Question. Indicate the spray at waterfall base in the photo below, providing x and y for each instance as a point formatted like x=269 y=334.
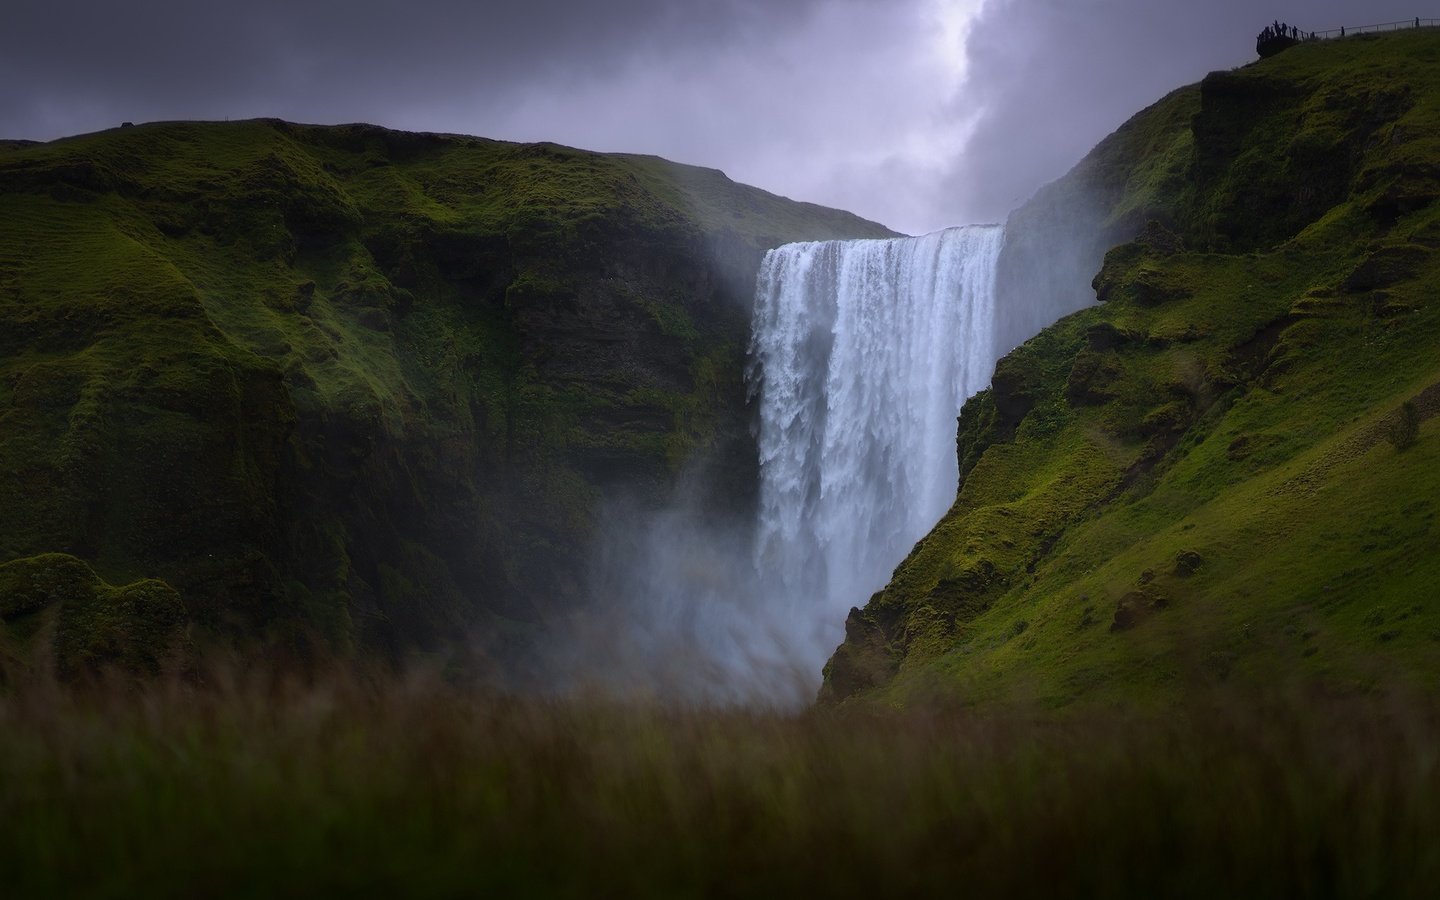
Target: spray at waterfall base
x=861 y=355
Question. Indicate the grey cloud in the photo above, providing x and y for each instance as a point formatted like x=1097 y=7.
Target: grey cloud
x=843 y=102
x=1053 y=77
x=172 y=58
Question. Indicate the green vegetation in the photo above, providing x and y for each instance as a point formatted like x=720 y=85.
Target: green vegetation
x=1404 y=428
x=272 y=787
x=353 y=388
x=54 y=612
x=1189 y=484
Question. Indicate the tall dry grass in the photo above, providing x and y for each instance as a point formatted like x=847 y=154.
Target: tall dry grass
x=269 y=785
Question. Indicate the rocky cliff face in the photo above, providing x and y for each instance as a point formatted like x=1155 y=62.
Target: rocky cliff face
x=1205 y=478
x=351 y=388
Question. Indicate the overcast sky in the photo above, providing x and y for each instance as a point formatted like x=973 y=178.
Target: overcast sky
x=917 y=113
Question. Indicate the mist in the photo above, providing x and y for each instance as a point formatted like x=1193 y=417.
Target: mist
x=681 y=614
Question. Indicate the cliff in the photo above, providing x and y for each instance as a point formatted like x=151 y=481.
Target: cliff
x=341 y=389
x=1215 y=475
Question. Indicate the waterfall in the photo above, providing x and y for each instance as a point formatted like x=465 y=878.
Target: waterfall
x=862 y=353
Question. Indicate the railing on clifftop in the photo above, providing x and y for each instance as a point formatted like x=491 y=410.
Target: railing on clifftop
x=1374 y=29
x=1279 y=36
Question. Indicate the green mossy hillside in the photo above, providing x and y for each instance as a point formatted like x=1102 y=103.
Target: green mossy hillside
x=1194 y=483
x=356 y=388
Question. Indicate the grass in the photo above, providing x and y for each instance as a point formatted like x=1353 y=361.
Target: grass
x=275 y=786
x=1229 y=399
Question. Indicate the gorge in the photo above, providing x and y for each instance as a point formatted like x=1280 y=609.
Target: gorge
x=324 y=392
x=861 y=353
x=426 y=515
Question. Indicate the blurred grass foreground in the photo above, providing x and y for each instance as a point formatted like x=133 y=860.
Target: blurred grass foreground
x=266 y=785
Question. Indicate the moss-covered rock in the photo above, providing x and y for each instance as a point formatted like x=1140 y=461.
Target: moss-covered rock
x=360 y=388
x=1218 y=423
x=56 y=613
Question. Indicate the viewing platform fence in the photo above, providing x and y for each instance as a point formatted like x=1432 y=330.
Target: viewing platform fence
x=1349 y=31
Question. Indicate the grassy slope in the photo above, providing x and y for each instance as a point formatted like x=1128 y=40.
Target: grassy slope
x=265 y=788
x=355 y=384
x=1190 y=483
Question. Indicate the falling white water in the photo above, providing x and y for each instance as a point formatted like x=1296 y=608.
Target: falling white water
x=862 y=354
